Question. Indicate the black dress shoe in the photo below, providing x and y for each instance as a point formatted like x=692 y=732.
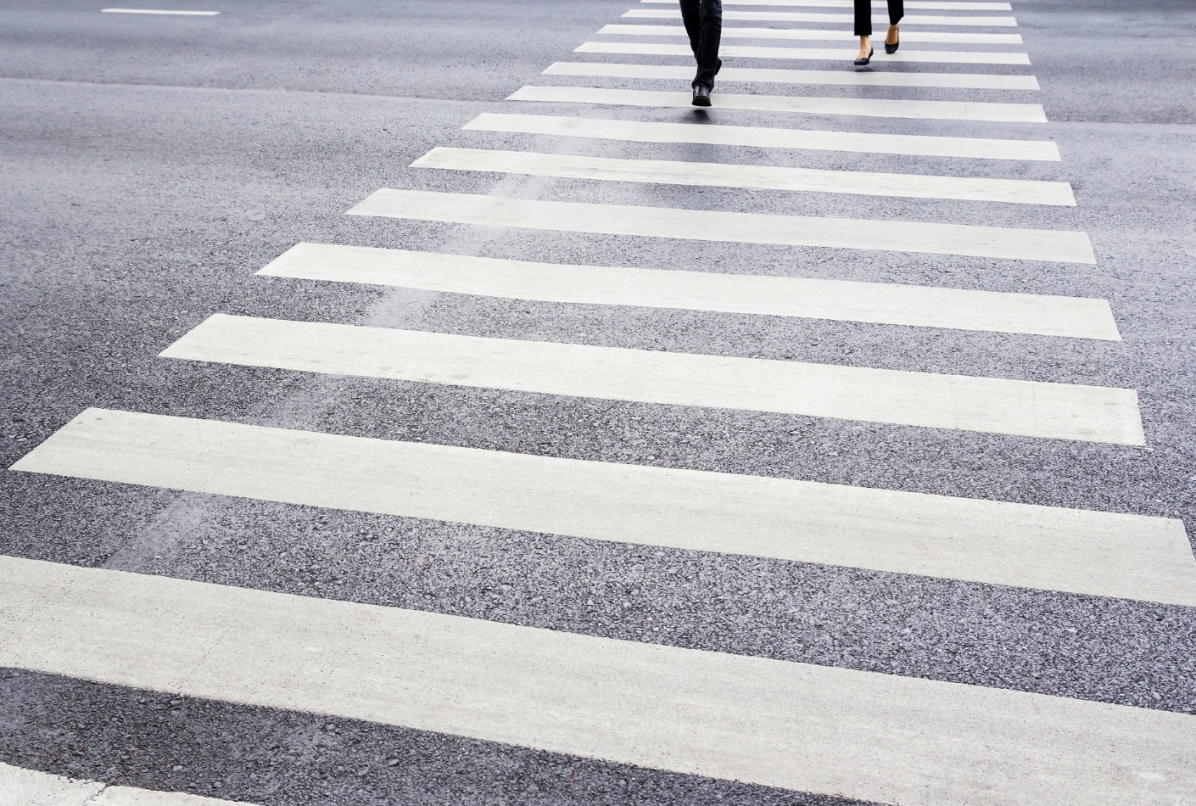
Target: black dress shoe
x=891 y=49
x=866 y=59
x=701 y=96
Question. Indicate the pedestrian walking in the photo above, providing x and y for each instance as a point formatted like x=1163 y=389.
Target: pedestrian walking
x=863 y=28
x=704 y=24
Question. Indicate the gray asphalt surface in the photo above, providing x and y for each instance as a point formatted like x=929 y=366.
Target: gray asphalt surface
x=150 y=165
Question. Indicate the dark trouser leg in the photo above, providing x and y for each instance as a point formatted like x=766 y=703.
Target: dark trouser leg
x=704 y=24
x=863 y=17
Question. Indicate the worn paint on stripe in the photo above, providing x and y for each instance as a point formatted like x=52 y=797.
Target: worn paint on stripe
x=781 y=76
x=21 y=787
x=764 y=137
x=794 y=726
x=819 y=54
x=991 y=542
x=930 y=400
x=815 y=34
x=868 y=107
x=717 y=225
x=788 y=16
x=753 y=177
x=841 y=300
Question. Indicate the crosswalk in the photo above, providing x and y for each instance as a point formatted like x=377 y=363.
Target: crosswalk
x=920 y=5
x=879 y=19
x=731 y=227
x=824 y=34
x=764 y=75
x=868 y=107
x=818 y=54
x=826 y=730
x=991 y=405
x=767 y=137
x=753 y=177
x=797 y=726
x=841 y=300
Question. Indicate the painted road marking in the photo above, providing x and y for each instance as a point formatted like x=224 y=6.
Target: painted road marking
x=21 y=787
x=991 y=542
x=928 y=400
x=869 y=107
x=841 y=300
x=917 y=5
x=787 y=16
x=819 y=54
x=796 y=726
x=753 y=177
x=159 y=11
x=764 y=137
x=717 y=225
x=813 y=33
x=780 y=76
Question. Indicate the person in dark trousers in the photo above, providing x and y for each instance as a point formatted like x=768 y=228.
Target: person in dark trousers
x=863 y=28
x=704 y=24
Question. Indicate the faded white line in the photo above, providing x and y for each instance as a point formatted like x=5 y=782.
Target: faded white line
x=752 y=177
x=990 y=542
x=21 y=787
x=784 y=16
x=710 y=225
x=866 y=107
x=918 y=5
x=842 y=300
x=167 y=12
x=781 y=76
x=813 y=34
x=817 y=54
x=764 y=137
x=928 y=400
x=796 y=726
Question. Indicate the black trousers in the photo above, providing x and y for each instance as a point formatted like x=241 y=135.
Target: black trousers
x=863 y=15
x=704 y=24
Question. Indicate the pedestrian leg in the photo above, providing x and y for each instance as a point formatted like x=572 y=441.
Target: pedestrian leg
x=863 y=29
x=893 y=38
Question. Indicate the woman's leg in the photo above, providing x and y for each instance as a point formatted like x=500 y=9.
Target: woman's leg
x=896 y=12
x=863 y=26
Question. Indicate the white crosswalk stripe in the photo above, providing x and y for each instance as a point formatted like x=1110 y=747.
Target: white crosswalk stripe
x=160 y=11
x=1103 y=554
x=706 y=225
x=880 y=303
x=813 y=34
x=782 y=76
x=867 y=107
x=786 y=16
x=991 y=405
x=21 y=787
x=765 y=137
x=755 y=177
x=809 y=728
x=918 y=5
x=816 y=54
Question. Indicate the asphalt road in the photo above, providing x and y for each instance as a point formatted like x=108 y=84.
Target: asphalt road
x=151 y=165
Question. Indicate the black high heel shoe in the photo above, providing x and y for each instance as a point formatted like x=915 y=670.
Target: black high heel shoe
x=891 y=49
x=866 y=59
